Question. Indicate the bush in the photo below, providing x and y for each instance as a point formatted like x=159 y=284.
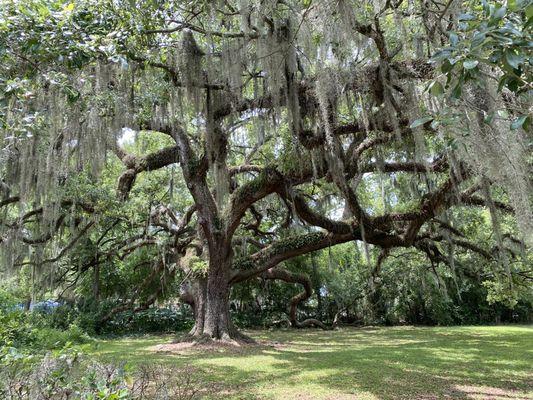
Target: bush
x=251 y=318
x=152 y=320
x=51 y=338
x=58 y=375
x=69 y=374
x=23 y=329
x=88 y=318
x=15 y=328
x=72 y=323
x=60 y=317
x=7 y=300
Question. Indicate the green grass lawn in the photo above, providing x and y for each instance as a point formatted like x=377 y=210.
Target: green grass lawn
x=369 y=363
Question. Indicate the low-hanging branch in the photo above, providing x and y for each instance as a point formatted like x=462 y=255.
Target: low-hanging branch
x=301 y=279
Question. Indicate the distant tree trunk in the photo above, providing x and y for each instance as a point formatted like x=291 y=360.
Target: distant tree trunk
x=317 y=288
x=96 y=282
x=336 y=318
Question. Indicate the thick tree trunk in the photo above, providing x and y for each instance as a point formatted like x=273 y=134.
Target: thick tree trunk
x=209 y=298
x=217 y=320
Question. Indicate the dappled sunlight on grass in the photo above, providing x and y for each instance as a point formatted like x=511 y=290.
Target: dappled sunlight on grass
x=368 y=363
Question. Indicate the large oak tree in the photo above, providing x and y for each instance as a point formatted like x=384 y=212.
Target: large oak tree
x=269 y=107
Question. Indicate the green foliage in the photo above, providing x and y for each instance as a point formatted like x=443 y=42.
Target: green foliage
x=198 y=266
x=69 y=373
x=152 y=320
x=51 y=338
x=500 y=292
x=58 y=374
x=23 y=329
x=493 y=35
x=14 y=329
x=76 y=321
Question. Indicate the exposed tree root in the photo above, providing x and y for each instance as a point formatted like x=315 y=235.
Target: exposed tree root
x=237 y=339
x=231 y=336
x=311 y=322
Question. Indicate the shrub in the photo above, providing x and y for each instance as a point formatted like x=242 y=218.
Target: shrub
x=73 y=323
x=251 y=318
x=58 y=375
x=15 y=328
x=152 y=320
x=22 y=329
x=60 y=317
x=51 y=338
x=68 y=374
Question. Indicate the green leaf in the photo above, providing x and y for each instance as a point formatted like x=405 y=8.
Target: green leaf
x=488 y=118
x=72 y=94
x=527 y=124
x=466 y=17
x=513 y=84
x=68 y=8
x=441 y=55
x=436 y=88
x=498 y=14
x=446 y=66
x=513 y=59
x=421 y=121
x=470 y=64
x=43 y=11
x=478 y=39
x=517 y=123
x=502 y=82
x=454 y=39
x=503 y=113
x=529 y=11
x=457 y=91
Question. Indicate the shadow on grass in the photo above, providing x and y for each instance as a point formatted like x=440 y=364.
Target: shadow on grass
x=373 y=363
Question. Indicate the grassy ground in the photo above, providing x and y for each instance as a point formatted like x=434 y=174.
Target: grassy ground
x=370 y=363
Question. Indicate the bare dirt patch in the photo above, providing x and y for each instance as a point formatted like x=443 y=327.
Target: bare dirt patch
x=215 y=346
x=492 y=393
